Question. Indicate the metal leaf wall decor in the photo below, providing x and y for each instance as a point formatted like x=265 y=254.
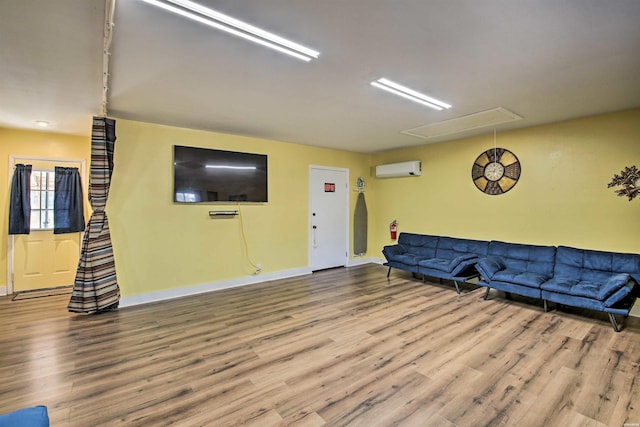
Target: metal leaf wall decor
x=629 y=180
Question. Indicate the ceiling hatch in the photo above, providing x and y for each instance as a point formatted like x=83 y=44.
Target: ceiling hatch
x=477 y=120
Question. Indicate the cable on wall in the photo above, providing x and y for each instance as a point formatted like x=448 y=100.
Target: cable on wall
x=109 y=12
x=244 y=241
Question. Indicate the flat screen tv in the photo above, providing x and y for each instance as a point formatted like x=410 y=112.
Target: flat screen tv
x=203 y=175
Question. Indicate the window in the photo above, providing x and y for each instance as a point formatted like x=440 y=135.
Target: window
x=42 y=192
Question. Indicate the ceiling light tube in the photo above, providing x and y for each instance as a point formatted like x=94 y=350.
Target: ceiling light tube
x=207 y=19
x=405 y=95
x=411 y=94
x=187 y=4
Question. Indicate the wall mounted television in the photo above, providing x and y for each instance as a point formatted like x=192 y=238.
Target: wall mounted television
x=202 y=175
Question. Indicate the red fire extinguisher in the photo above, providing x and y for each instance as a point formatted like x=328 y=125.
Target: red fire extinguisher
x=393 y=228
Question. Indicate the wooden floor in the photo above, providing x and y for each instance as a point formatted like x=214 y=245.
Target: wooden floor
x=340 y=347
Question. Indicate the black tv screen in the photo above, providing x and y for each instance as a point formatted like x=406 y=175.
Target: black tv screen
x=208 y=175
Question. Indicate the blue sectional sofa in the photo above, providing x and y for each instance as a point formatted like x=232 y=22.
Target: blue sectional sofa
x=446 y=258
x=594 y=280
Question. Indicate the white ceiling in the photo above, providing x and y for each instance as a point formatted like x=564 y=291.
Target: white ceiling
x=545 y=60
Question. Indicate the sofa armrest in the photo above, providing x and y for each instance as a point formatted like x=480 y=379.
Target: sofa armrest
x=393 y=250
x=489 y=266
x=463 y=263
x=613 y=284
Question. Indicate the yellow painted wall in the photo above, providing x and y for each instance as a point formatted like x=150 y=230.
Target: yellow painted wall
x=561 y=199
x=32 y=144
x=160 y=245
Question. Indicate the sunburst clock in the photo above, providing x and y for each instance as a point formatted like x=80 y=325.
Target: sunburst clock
x=496 y=171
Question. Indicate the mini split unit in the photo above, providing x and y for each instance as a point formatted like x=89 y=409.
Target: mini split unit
x=392 y=170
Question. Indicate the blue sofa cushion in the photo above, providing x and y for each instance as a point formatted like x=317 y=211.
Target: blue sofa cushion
x=453 y=247
x=530 y=258
x=524 y=278
x=594 y=266
x=446 y=265
x=490 y=265
x=572 y=287
x=619 y=284
x=28 y=417
x=419 y=244
x=407 y=258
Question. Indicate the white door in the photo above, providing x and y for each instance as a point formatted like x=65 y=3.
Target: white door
x=45 y=260
x=42 y=259
x=329 y=221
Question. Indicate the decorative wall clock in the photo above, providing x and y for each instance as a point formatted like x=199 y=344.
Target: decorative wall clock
x=496 y=171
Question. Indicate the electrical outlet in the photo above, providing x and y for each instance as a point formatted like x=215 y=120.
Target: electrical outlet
x=258 y=268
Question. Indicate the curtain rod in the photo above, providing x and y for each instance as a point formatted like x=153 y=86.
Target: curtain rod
x=46 y=159
x=109 y=12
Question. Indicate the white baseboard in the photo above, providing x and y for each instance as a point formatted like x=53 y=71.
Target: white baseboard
x=133 y=300
x=129 y=301
x=3 y=290
x=360 y=261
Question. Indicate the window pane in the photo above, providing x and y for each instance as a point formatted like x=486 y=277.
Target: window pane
x=35 y=199
x=52 y=180
x=50 y=195
x=35 y=180
x=43 y=200
x=35 y=219
x=48 y=220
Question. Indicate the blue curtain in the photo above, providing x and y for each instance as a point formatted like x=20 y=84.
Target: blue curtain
x=20 y=202
x=68 y=207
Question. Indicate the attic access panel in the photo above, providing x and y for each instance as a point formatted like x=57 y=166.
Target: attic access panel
x=481 y=119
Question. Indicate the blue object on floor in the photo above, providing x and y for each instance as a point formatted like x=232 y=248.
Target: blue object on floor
x=28 y=417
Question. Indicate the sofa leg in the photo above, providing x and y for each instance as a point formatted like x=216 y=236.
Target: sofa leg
x=389 y=272
x=546 y=307
x=486 y=294
x=613 y=322
x=455 y=282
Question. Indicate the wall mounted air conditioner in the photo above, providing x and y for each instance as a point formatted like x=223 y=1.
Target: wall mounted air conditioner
x=392 y=170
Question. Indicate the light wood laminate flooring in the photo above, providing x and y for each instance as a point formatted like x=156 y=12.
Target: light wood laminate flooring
x=342 y=347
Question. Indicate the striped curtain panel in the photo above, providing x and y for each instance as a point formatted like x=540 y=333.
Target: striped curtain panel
x=96 y=286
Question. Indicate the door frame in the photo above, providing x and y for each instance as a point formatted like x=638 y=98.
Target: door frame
x=11 y=238
x=346 y=219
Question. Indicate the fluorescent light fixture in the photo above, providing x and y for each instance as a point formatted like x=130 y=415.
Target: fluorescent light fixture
x=408 y=93
x=212 y=18
x=230 y=167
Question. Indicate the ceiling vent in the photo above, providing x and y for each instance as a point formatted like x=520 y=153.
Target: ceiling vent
x=481 y=119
